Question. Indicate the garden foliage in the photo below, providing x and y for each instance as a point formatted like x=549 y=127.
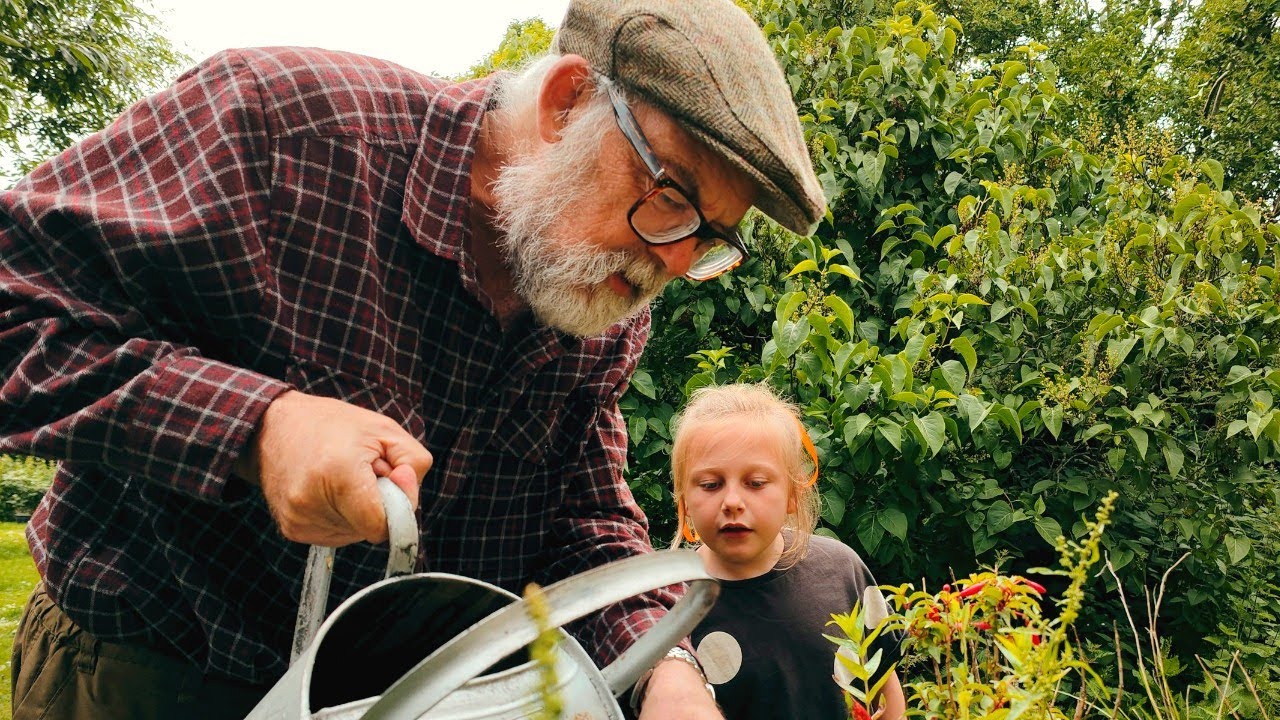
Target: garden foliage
x=69 y=67
x=1000 y=322
x=23 y=481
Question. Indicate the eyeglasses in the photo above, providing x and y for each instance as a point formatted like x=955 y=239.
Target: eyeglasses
x=665 y=214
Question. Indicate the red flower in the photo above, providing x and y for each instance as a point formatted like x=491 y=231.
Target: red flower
x=860 y=712
x=1031 y=584
x=973 y=589
x=984 y=625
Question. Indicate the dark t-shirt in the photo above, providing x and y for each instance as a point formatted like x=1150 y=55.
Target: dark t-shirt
x=762 y=645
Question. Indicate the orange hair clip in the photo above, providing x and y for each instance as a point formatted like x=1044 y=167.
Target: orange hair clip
x=809 y=447
x=686 y=531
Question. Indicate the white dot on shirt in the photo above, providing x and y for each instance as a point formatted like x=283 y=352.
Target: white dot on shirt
x=721 y=657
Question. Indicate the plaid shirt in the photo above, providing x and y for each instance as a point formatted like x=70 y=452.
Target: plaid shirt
x=288 y=218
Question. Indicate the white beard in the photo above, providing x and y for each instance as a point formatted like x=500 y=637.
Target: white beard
x=560 y=276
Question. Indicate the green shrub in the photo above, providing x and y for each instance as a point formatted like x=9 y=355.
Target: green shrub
x=983 y=649
x=23 y=481
x=997 y=325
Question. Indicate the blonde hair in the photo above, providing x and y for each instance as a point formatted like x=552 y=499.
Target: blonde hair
x=758 y=401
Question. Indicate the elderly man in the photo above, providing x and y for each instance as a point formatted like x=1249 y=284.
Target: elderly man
x=296 y=270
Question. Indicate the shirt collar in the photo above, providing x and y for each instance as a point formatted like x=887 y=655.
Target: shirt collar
x=437 y=201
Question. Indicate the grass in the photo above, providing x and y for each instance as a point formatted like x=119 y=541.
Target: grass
x=17 y=578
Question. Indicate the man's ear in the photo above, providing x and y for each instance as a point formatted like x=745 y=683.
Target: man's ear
x=567 y=83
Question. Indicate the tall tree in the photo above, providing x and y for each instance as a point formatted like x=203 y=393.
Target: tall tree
x=67 y=67
x=1225 y=66
x=524 y=40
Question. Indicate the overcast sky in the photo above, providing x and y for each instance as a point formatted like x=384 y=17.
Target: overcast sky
x=434 y=36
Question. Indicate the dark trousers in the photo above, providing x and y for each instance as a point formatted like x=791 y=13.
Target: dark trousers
x=60 y=671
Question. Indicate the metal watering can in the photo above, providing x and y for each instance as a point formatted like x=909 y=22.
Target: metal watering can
x=435 y=646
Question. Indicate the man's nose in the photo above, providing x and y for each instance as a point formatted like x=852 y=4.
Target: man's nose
x=677 y=257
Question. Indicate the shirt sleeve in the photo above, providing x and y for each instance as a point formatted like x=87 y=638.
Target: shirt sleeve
x=600 y=521
x=130 y=267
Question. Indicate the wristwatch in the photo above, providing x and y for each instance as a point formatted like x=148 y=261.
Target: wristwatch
x=676 y=653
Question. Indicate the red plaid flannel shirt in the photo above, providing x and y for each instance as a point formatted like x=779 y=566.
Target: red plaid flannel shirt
x=288 y=218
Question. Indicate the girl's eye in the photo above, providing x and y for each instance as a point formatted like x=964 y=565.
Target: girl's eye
x=758 y=482
x=709 y=484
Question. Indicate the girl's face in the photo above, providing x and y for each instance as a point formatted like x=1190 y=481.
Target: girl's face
x=738 y=495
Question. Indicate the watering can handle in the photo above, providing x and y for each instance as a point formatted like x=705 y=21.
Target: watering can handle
x=511 y=628
x=402 y=529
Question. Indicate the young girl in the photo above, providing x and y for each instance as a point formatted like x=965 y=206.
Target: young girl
x=747 y=500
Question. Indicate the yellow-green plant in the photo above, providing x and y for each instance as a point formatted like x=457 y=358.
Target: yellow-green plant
x=993 y=655
x=543 y=652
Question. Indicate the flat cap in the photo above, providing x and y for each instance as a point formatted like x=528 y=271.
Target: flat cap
x=707 y=65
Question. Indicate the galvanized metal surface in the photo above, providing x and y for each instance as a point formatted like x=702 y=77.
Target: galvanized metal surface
x=511 y=628
x=402 y=528
x=364 y=660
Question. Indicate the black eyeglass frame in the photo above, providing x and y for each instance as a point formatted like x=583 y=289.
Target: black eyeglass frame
x=662 y=181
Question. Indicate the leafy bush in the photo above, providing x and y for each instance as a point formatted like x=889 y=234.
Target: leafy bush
x=23 y=481
x=997 y=325
x=989 y=653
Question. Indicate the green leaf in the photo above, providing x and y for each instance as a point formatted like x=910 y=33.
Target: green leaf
x=853 y=429
x=1115 y=458
x=807 y=265
x=1094 y=431
x=1237 y=547
x=833 y=507
x=955 y=376
x=1236 y=426
x=842 y=310
x=1237 y=373
x=952 y=182
x=793 y=335
x=1213 y=169
x=1139 y=440
x=962 y=345
x=1051 y=415
x=642 y=381
x=856 y=394
x=1173 y=458
x=870 y=534
x=975 y=410
x=999 y=517
x=1009 y=418
x=891 y=432
x=933 y=428
x=894 y=522
x=1048 y=528
x=844 y=270
x=637 y=424
x=969 y=299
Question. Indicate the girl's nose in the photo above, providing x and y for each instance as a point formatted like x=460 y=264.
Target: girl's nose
x=732 y=499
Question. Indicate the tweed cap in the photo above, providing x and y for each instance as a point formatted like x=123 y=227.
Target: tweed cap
x=707 y=65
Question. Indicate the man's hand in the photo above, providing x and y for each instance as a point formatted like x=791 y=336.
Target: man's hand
x=676 y=692
x=317 y=461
